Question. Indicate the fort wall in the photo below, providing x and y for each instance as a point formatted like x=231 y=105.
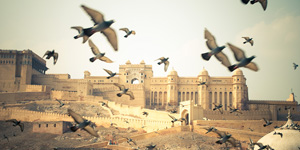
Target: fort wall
x=246 y=115
x=22 y=96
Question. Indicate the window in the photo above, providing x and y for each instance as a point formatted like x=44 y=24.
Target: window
x=47 y=125
x=39 y=125
x=54 y=125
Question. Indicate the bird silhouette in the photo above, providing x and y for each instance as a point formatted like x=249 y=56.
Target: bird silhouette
x=151 y=146
x=100 y=25
x=98 y=54
x=124 y=91
x=81 y=123
x=50 y=54
x=60 y=102
x=128 y=32
x=295 y=66
x=218 y=107
x=111 y=74
x=239 y=55
x=202 y=83
x=145 y=113
x=278 y=133
x=225 y=137
x=263 y=3
x=268 y=122
x=130 y=140
x=165 y=61
x=251 y=129
x=175 y=119
x=17 y=123
x=104 y=104
x=248 y=40
x=232 y=110
x=210 y=129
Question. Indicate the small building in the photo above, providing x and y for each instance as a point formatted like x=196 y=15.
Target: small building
x=59 y=127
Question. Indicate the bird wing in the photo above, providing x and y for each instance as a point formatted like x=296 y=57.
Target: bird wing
x=246 y=38
x=55 y=57
x=215 y=104
x=220 y=133
x=264 y=3
x=111 y=37
x=47 y=53
x=58 y=101
x=238 y=53
x=232 y=141
x=252 y=66
x=91 y=131
x=223 y=59
x=21 y=126
x=251 y=42
x=94 y=48
x=133 y=142
x=75 y=116
x=12 y=120
x=130 y=94
x=172 y=117
x=221 y=110
x=125 y=29
x=211 y=42
x=121 y=87
x=108 y=71
x=96 y=16
x=258 y=144
x=265 y=120
x=78 y=28
x=106 y=59
x=166 y=65
x=161 y=58
x=245 y=1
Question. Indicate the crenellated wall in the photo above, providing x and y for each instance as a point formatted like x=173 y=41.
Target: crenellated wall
x=21 y=96
x=247 y=115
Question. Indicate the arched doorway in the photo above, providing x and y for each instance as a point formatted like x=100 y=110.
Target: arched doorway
x=185 y=115
x=187 y=119
x=135 y=81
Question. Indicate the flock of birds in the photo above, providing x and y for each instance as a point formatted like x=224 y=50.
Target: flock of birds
x=102 y=26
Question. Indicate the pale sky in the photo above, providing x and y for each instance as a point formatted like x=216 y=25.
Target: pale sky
x=169 y=28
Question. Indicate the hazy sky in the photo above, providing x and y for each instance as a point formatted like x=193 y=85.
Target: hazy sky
x=170 y=28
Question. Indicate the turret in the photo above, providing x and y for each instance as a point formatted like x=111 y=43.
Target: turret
x=173 y=87
x=239 y=92
x=203 y=89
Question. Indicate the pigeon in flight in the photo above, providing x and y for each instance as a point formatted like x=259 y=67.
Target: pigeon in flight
x=104 y=104
x=130 y=140
x=268 y=122
x=248 y=40
x=263 y=3
x=210 y=129
x=202 y=83
x=239 y=55
x=151 y=146
x=124 y=91
x=219 y=107
x=278 y=133
x=81 y=123
x=164 y=61
x=111 y=74
x=51 y=54
x=232 y=110
x=17 y=123
x=175 y=119
x=128 y=32
x=145 y=113
x=215 y=49
x=295 y=66
x=61 y=103
x=173 y=110
x=100 y=25
x=225 y=137
x=97 y=53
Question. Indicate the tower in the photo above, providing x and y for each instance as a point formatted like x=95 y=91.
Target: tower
x=203 y=99
x=172 y=87
x=239 y=92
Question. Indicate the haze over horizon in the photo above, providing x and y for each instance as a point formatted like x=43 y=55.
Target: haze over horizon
x=170 y=28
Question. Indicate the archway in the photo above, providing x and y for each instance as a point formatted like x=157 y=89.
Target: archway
x=135 y=81
x=185 y=115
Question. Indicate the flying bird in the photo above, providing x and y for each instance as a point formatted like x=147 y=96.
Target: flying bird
x=17 y=123
x=210 y=129
x=219 y=107
x=130 y=140
x=124 y=91
x=151 y=146
x=81 y=123
x=248 y=40
x=98 y=54
x=225 y=137
x=239 y=56
x=215 y=49
x=100 y=25
x=232 y=110
x=295 y=66
x=60 y=102
x=251 y=129
x=173 y=110
x=261 y=146
x=268 y=122
x=128 y=32
x=104 y=104
x=175 y=119
x=278 y=133
x=202 y=83
x=263 y=3
x=165 y=61
x=111 y=74
x=145 y=113
x=251 y=145
x=51 y=54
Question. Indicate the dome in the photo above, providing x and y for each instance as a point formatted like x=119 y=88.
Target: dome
x=128 y=62
x=203 y=72
x=288 y=141
x=142 y=62
x=238 y=72
x=172 y=73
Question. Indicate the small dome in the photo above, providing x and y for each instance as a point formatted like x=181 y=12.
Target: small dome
x=142 y=62
x=128 y=62
x=238 y=72
x=289 y=140
x=172 y=73
x=203 y=72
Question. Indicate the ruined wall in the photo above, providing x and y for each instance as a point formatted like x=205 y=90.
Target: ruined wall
x=64 y=95
x=21 y=96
